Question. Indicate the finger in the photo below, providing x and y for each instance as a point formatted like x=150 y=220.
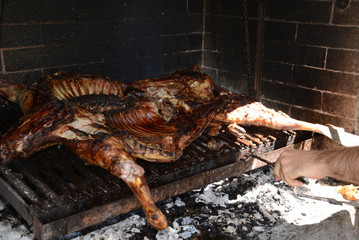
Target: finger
x=283 y=177
x=286 y=177
x=295 y=183
x=276 y=171
x=291 y=181
x=276 y=177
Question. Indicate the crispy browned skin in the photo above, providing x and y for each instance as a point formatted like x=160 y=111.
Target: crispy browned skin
x=110 y=124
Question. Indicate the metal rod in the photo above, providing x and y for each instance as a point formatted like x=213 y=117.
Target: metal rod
x=259 y=49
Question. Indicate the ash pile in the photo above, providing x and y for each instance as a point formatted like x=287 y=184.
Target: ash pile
x=249 y=206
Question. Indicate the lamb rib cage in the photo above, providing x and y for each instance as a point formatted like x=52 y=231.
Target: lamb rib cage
x=56 y=193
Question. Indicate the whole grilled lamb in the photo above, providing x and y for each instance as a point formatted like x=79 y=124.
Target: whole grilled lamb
x=109 y=124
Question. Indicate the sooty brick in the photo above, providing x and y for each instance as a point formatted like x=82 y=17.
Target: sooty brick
x=302 y=11
x=347 y=105
x=321 y=79
x=292 y=95
x=295 y=54
x=277 y=71
x=328 y=36
x=280 y=31
x=348 y=16
x=20 y=35
x=322 y=118
x=343 y=60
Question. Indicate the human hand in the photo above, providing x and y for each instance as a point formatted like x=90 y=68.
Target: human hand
x=295 y=164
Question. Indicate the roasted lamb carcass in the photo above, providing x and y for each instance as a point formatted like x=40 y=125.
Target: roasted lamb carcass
x=110 y=124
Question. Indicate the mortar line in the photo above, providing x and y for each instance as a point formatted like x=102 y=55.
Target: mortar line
x=325 y=58
x=356 y=123
x=331 y=13
x=296 y=32
x=3 y=70
x=203 y=32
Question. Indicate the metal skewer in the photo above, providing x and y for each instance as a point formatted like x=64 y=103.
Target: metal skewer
x=272 y=164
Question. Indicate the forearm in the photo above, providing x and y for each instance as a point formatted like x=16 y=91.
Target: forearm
x=341 y=163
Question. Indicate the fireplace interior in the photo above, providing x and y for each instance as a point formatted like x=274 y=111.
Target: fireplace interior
x=297 y=57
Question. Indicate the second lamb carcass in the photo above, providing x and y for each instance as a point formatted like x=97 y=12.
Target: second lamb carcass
x=110 y=124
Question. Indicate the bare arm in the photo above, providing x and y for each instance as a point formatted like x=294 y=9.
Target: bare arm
x=339 y=163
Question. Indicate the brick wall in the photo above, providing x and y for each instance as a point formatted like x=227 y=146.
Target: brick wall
x=311 y=48
x=124 y=39
x=311 y=60
x=224 y=55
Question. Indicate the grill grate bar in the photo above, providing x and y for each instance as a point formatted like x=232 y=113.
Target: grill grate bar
x=111 y=181
x=246 y=142
x=196 y=148
x=21 y=187
x=78 y=183
x=253 y=139
x=56 y=181
x=230 y=139
x=202 y=145
x=51 y=197
x=261 y=137
x=96 y=182
x=191 y=152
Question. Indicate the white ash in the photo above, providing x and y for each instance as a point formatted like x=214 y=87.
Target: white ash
x=121 y=230
x=179 y=202
x=182 y=228
x=249 y=206
x=2 y=206
x=11 y=228
x=209 y=196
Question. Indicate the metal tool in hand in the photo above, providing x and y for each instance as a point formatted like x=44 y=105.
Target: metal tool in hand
x=301 y=179
x=262 y=160
x=305 y=181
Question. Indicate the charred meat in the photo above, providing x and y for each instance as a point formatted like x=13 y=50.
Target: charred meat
x=110 y=124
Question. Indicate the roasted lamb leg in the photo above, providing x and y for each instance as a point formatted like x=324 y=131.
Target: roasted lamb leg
x=110 y=154
x=245 y=110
